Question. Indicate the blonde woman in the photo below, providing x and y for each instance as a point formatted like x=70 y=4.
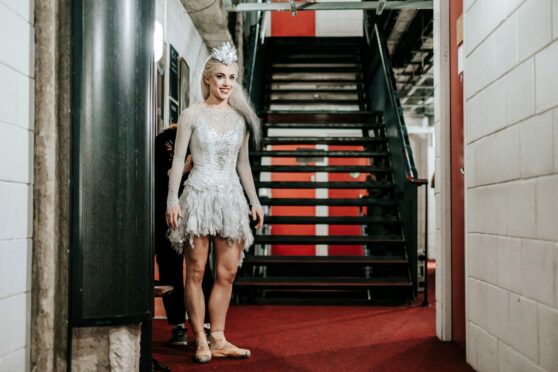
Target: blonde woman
x=212 y=205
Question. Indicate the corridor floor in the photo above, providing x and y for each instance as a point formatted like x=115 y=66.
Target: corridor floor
x=324 y=338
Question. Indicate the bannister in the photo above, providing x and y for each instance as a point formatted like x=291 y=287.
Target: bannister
x=253 y=73
x=383 y=96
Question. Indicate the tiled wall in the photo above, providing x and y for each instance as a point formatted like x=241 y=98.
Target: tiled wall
x=511 y=151
x=16 y=170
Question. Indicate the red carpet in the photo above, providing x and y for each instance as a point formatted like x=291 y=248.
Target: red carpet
x=324 y=338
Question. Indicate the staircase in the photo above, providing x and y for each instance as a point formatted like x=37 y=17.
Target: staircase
x=317 y=123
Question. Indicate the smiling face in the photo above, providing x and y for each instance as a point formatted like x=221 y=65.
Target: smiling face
x=220 y=81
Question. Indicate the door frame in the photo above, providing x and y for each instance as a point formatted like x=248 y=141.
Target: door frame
x=443 y=172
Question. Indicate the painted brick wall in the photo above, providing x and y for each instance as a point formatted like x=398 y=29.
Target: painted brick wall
x=511 y=151
x=16 y=169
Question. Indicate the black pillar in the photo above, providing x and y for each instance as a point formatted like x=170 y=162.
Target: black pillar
x=112 y=162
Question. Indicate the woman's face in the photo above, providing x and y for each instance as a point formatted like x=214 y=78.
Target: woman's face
x=221 y=81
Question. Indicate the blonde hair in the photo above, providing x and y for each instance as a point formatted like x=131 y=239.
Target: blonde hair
x=238 y=99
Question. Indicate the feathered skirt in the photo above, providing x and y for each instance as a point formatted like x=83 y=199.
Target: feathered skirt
x=217 y=210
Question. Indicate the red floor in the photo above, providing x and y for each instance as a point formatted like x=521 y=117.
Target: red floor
x=324 y=338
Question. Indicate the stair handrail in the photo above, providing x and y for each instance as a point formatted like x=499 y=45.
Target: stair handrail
x=256 y=42
x=410 y=168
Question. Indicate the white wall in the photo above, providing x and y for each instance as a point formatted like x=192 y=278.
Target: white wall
x=511 y=152
x=16 y=169
x=179 y=30
x=339 y=23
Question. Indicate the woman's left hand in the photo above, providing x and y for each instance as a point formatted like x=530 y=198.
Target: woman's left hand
x=257 y=214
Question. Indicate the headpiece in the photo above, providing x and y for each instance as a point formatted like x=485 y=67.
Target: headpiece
x=226 y=53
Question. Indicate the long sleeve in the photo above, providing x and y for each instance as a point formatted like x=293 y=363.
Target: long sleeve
x=184 y=132
x=245 y=172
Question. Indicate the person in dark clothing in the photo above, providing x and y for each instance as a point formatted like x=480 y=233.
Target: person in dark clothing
x=169 y=261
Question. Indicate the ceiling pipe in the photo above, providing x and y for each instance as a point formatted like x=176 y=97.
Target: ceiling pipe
x=210 y=19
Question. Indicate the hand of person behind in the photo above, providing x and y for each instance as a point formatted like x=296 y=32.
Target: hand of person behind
x=188 y=164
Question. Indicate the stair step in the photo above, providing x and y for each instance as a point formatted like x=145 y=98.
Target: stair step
x=316 y=117
x=329 y=201
x=315 y=69
x=330 y=220
x=320 y=58
x=319 y=154
x=279 y=86
x=324 y=125
x=320 y=168
x=353 y=80
x=327 y=239
x=326 y=140
x=354 y=260
x=323 y=185
x=316 y=101
x=312 y=91
x=322 y=282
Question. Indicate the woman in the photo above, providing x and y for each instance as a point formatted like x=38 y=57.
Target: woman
x=212 y=204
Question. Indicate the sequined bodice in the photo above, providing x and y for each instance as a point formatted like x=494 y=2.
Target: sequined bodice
x=216 y=139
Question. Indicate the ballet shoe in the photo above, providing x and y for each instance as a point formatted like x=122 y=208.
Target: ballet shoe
x=203 y=354
x=221 y=348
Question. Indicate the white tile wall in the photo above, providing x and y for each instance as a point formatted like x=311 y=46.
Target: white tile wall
x=16 y=36
x=537 y=146
x=474 y=120
x=16 y=168
x=547 y=208
x=521 y=209
x=494 y=107
x=483 y=257
x=548 y=338
x=15 y=264
x=506 y=161
x=555 y=141
x=509 y=360
x=15 y=361
x=535 y=25
x=509 y=261
x=523 y=335
x=512 y=184
x=14 y=140
x=13 y=323
x=520 y=92
x=474 y=32
x=538 y=260
x=482 y=349
x=547 y=78
x=488 y=210
x=506 y=45
x=339 y=23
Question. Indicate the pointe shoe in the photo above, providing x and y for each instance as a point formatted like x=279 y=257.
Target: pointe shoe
x=221 y=348
x=203 y=354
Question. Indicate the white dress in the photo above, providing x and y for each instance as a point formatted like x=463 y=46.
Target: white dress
x=212 y=202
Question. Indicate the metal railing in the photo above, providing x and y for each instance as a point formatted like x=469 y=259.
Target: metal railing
x=383 y=96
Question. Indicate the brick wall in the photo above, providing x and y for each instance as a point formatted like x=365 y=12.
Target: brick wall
x=16 y=169
x=511 y=152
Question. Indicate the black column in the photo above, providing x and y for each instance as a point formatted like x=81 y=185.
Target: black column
x=112 y=162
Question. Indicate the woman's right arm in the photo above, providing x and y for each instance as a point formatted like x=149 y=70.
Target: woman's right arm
x=185 y=127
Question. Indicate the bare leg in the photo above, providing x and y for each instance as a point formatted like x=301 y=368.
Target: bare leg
x=226 y=266
x=196 y=259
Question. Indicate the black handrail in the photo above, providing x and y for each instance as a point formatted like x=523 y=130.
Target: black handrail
x=383 y=96
x=256 y=42
x=410 y=168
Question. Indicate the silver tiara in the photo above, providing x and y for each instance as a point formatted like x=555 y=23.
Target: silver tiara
x=225 y=54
